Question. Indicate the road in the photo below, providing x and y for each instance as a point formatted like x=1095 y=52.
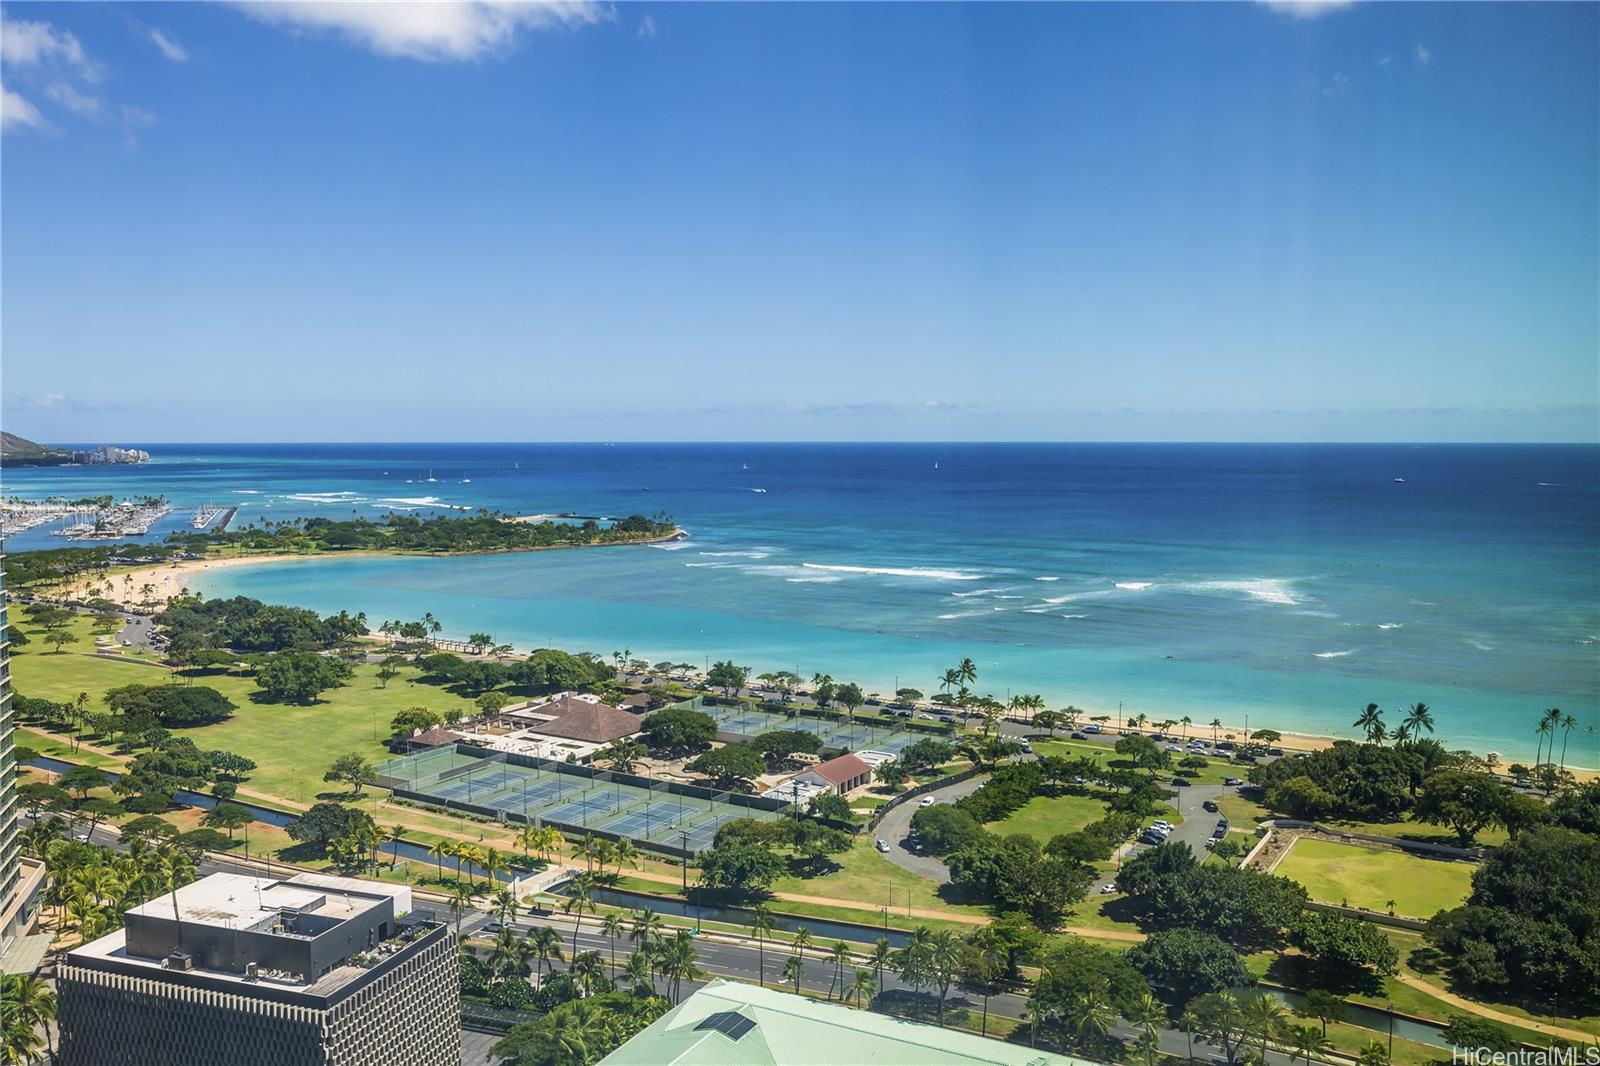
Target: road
x=896 y=826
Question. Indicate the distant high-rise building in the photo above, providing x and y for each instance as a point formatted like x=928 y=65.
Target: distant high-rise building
x=253 y=971
x=19 y=878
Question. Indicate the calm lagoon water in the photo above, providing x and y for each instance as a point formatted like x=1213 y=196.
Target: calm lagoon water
x=1289 y=584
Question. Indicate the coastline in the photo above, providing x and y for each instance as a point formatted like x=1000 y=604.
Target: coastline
x=170 y=579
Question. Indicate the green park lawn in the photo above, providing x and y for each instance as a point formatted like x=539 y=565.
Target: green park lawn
x=1367 y=877
x=1046 y=816
x=292 y=744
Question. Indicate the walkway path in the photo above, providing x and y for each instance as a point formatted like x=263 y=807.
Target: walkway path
x=896 y=827
x=1482 y=1011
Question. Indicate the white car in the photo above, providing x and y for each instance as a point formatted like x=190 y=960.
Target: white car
x=1107 y=888
x=1163 y=824
x=926 y=801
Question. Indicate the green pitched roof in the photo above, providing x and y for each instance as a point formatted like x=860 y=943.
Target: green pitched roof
x=792 y=1030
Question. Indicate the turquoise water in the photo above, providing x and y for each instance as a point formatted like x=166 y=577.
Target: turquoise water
x=1289 y=584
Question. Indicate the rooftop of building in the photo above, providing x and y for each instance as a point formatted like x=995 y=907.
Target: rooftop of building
x=238 y=901
x=839 y=770
x=261 y=906
x=593 y=723
x=728 y=1023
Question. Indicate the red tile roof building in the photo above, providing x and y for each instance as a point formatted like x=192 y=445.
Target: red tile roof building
x=842 y=774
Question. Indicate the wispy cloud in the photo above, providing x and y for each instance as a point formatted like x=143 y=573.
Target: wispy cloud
x=135 y=119
x=79 y=103
x=1306 y=9
x=169 y=46
x=1424 y=54
x=647 y=26
x=16 y=112
x=39 y=44
x=429 y=31
x=1337 y=85
x=60 y=401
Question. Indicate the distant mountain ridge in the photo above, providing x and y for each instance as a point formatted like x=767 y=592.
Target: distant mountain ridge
x=19 y=451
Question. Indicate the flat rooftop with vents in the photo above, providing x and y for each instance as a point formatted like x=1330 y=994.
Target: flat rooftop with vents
x=305 y=936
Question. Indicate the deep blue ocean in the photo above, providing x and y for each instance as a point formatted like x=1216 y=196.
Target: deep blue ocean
x=1288 y=583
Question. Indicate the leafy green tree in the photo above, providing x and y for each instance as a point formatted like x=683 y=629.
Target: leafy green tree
x=742 y=868
x=678 y=730
x=1465 y=801
x=173 y=706
x=1471 y=1031
x=228 y=816
x=732 y=766
x=325 y=822
x=945 y=828
x=353 y=769
x=412 y=718
x=301 y=676
x=1348 y=951
x=1189 y=963
x=728 y=677
x=1324 y=1006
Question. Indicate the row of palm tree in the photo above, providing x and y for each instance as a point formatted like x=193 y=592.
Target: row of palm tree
x=1418 y=719
x=1552 y=719
x=27 y=1009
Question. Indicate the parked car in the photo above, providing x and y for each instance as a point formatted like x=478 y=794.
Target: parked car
x=1244 y=756
x=1225 y=745
x=881 y=845
x=1232 y=781
x=1210 y=805
x=1274 y=751
x=949 y=718
x=1522 y=782
x=1162 y=823
x=1151 y=838
x=1220 y=831
x=1107 y=888
x=1027 y=749
x=1174 y=747
x=1093 y=728
x=1079 y=736
x=926 y=801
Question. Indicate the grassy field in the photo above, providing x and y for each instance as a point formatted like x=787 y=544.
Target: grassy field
x=1370 y=878
x=1045 y=816
x=291 y=744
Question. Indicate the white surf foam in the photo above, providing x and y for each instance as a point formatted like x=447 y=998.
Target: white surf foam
x=1480 y=645
x=417 y=501
x=1134 y=586
x=823 y=579
x=327 y=497
x=247 y=492
x=974 y=592
x=1074 y=616
x=1390 y=625
x=738 y=555
x=927 y=572
x=675 y=546
x=1334 y=654
x=1047 y=579
x=1264 y=589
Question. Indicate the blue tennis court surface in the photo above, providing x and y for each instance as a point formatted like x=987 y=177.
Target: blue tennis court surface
x=477 y=784
x=703 y=834
x=660 y=815
x=534 y=794
x=593 y=804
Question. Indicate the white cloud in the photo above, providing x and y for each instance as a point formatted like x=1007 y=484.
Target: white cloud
x=1424 y=55
x=431 y=31
x=39 y=44
x=1306 y=9
x=169 y=46
x=133 y=120
x=1338 y=85
x=15 y=112
x=647 y=26
x=68 y=96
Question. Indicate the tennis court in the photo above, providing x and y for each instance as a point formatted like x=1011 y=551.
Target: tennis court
x=847 y=734
x=571 y=798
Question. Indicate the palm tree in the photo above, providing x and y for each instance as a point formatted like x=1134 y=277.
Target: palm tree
x=882 y=953
x=793 y=970
x=640 y=973
x=588 y=971
x=624 y=853
x=1215 y=724
x=1189 y=1021
x=802 y=939
x=1307 y=1042
x=1146 y=1015
x=29 y=1005
x=1264 y=1019
x=840 y=956
x=510 y=955
x=679 y=961
x=1373 y=1054
x=944 y=961
x=861 y=986
x=967 y=671
x=1567 y=722
x=988 y=953
x=1090 y=1017
x=646 y=929
x=461 y=898
x=1418 y=718
x=761 y=923
x=580 y=897
x=569 y=1039
x=1370 y=721
x=505 y=906
x=546 y=945
x=1187 y=722
x=613 y=927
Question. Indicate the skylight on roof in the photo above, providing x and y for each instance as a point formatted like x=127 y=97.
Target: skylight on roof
x=730 y=1024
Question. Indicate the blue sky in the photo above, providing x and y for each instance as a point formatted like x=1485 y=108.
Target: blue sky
x=840 y=222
